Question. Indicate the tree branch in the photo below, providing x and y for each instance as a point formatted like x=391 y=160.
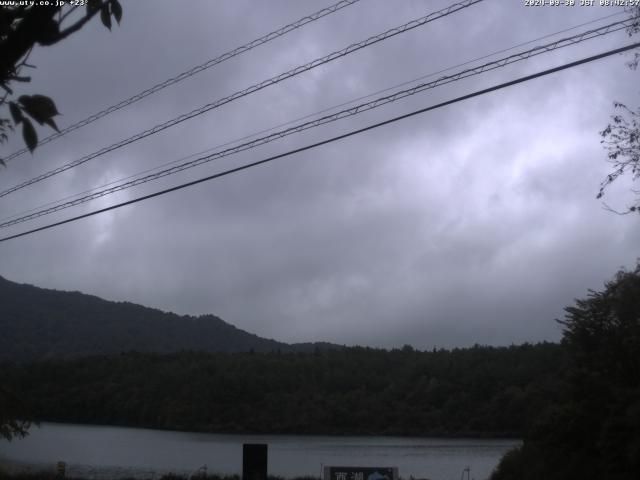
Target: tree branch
x=23 y=38
x=78 y=25
x=609 y=209
x=69 y=12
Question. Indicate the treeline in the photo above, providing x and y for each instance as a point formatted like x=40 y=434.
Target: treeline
x=592 y=432
x=479 y=391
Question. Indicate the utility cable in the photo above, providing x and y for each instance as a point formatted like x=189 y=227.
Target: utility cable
x=332 y=139
x=587 y=35
x=193 y=71
x=311 y=115
x=252 y=89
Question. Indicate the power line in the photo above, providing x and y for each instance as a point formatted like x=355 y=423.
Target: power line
x=311 y=115
x=330 y=118
x=252 y=89
x=332 y=139
x=193 y=71
x=561 y=43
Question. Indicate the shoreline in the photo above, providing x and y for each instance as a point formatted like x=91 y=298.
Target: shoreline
x=429 y=436
x=19 y=470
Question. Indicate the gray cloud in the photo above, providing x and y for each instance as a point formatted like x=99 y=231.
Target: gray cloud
x=472 y=223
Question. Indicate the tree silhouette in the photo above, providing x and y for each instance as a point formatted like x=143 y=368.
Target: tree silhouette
x=22 y=27
x=594 y=431
x=14 y=420
x=622 y=136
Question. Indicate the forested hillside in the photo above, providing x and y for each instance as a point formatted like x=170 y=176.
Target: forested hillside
x=480 y=391
x=38 y=323
x=593 y=431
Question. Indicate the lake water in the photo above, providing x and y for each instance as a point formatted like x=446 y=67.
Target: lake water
x=102 y=452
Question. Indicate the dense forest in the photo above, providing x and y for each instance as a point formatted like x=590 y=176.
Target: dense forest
x=38 y=323
x=480 y=391
x=575 y=404
x=592 y=432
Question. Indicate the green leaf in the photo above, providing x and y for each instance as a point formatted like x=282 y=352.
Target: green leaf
x=105 y=16
x=16 y=113
x=116 y=10
x=39 y=107
x=29 y=134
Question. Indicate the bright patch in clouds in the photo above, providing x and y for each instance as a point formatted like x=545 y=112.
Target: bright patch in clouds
x=472 y=223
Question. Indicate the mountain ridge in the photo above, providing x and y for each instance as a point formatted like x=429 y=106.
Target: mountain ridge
x=39 y=323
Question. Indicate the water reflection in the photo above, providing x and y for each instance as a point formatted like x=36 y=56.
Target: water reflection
x=97 y=451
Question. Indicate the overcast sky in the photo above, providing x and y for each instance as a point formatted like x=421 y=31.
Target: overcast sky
x=477 y=222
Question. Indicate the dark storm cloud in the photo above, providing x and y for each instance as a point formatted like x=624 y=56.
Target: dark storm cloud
x=473 y=223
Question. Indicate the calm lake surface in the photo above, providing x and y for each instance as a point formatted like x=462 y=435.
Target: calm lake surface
x=102 y=452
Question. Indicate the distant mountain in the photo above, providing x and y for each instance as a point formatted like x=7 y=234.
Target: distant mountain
x=38 y=323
